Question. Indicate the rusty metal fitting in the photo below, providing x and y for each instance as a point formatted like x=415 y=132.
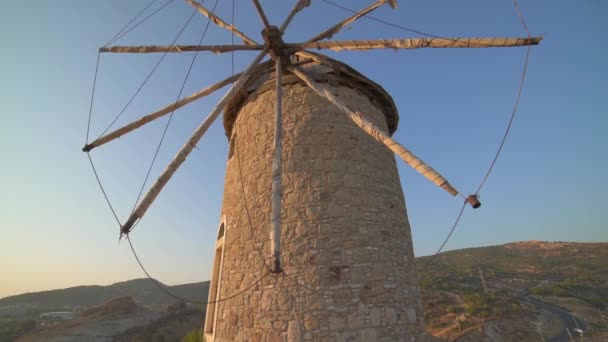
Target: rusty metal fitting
x=473 y=200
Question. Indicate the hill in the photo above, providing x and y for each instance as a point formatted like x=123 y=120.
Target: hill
x=520 y=289
x=511 y=292
x=120 y=319
x=143 y=292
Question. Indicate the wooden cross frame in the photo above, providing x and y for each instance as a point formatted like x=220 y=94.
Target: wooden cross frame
x=279 y=52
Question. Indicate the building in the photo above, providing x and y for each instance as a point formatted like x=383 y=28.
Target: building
x=347 y=251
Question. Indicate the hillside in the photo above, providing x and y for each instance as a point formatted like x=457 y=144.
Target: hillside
x=120 y=319
x=579 y=270
x=531 y=288
x=143 y=292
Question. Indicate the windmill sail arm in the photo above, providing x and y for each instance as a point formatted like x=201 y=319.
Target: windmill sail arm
x=407 y=156
x=221 y=23
x=159 y=113
x=300 y=5
x=417 y=43
x=330 y=32
x=262 y=14
x=179 y=48
x=183 y=153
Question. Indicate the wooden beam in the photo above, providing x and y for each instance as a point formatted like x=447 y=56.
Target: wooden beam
x=183 y=153
x=300 y=5
x=277 y=169
x=416 y=43
x=180 y=48
x=330 y=32
x=261 y=13
x=159 y=113
x=406 y=155
x=221 y=23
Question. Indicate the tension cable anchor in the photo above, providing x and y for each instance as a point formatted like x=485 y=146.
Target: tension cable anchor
x=473 y=200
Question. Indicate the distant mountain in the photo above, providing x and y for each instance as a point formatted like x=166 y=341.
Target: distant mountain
x=143 y=291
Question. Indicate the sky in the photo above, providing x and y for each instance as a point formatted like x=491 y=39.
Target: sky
x=57 y=231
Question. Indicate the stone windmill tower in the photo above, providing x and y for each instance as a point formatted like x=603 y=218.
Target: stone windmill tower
x=314 y=241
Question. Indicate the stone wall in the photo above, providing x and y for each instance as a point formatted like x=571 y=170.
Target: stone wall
x=347 y=250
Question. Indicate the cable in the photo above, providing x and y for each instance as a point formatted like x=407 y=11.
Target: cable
x=169 y=293
x=105 y=195
x=447 y=238
x=238 y=157
x=140 y=22
x=141 y=190
x=149 y=75
x=513 y=113
x=408 y=29
x=380 y=20
x=130 y=22
x=506 y=134
x=92 y=98
x=255 y=240
x=291 y=275
x=515 y=106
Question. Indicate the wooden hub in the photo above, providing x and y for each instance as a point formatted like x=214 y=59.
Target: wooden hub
x=273 y=38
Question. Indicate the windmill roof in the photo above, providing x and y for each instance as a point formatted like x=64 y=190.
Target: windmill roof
x=323 y=70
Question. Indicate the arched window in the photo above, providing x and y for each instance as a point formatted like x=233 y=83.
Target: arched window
x=216 y=278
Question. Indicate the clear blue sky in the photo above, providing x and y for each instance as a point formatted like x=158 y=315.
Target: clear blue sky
x=549 y=184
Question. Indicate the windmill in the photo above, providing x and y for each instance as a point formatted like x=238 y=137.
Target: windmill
x=310 y=171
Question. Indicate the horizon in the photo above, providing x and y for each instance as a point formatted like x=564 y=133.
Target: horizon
x=454 y=105
x=207 y=280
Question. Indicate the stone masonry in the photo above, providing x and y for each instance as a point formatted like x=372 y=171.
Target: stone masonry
x=347 y=249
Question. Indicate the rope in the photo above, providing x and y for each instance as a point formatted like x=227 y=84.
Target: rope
x=171 y=294
x=509 y=125
x=447 y=238
x=159 y=285
x=140 y=22
x=103 y=191
x=149 y=75
x=130 y=22
x=404 y=28
x=238 y=156
x=504 y=138
x=105 y=195
x=517 y=99
x=292 y=276
x=92 y=98
x=181 y=90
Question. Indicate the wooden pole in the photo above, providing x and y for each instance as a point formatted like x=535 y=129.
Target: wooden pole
x=275 y=236
x=376 y=133
x=569 y=335
x=339 y=26
x=221 y=23
x=159 y=113
x=483 y=280
x=260 y=11
x=180 y=48
x=602 y=316
x=416 y=43
x=180 y=157
x=300 y=5
x=540 y=332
